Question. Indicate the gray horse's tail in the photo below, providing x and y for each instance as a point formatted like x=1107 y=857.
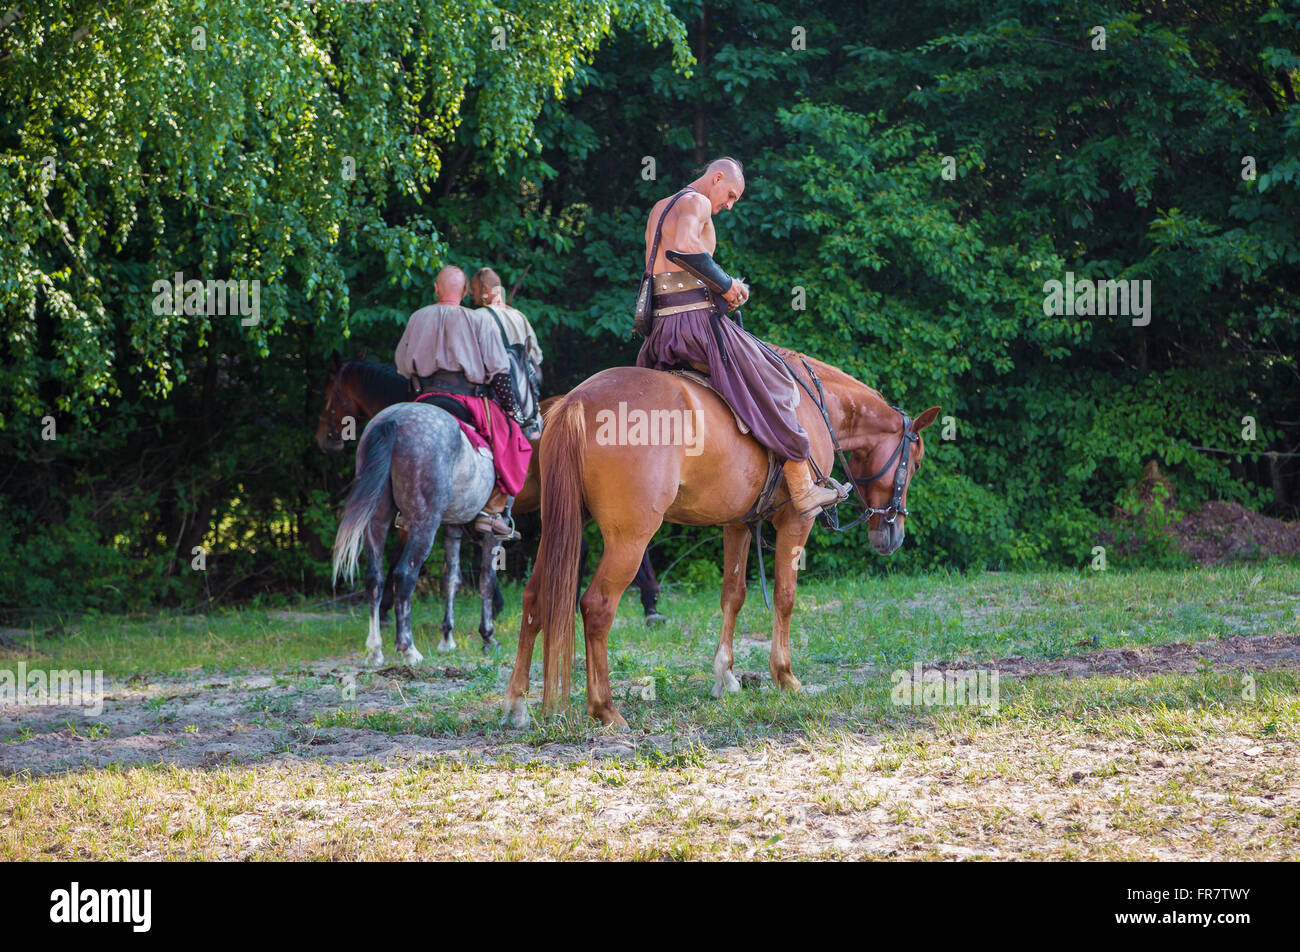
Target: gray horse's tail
x=374 y=460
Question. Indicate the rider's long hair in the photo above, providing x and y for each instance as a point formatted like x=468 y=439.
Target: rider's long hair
x=561 y=454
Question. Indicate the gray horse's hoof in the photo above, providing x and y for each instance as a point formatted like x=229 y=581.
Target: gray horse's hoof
x=490 y=642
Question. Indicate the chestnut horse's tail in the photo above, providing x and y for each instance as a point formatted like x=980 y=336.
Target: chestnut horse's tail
x=564 y=441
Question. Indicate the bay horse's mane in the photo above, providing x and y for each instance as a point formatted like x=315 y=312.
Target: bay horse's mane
x=376 y=377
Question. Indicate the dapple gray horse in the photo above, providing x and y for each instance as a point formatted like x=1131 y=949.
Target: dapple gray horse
x=413 y=458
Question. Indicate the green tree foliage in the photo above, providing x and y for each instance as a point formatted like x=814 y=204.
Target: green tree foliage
x=1119 y=163
x=290 y=144
x=1130 y=159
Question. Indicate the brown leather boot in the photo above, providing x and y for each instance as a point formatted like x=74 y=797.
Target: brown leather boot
x=490 y=519
x=807 y=497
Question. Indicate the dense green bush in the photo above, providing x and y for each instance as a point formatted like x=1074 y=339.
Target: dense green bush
x=1124 y=162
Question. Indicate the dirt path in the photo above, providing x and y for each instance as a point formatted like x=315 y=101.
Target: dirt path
x=1236 y=653
x=202 y=721
x=207 y=721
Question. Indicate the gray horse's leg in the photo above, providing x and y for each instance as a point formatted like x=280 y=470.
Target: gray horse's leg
x=386 y=605
x=450 y=583
x=407 y=570
x=376 y=535
x=487 y=588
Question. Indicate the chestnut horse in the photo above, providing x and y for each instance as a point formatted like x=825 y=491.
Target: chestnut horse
x=631 y=486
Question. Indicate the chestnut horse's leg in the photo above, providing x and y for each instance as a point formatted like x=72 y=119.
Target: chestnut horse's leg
x=735 y=544
x=618 y=566
x=791 y=534
x=450 y=584
x=515 y=703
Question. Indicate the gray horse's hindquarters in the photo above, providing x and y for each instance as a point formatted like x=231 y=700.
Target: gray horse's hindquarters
x=435 y=470
x=432 y=475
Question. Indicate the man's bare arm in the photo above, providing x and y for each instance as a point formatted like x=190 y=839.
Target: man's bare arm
x=688 y=246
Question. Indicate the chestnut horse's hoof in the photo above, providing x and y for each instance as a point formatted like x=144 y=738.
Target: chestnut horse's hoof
x=725 y=684
x=610 y=717
x=515 y=712
x=788 y=682
x=655 y=618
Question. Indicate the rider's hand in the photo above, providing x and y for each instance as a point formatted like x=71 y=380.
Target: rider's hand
x=737 y=294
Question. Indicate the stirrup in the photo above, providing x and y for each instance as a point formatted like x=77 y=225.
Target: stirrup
x=494 y=524
x=840 y=490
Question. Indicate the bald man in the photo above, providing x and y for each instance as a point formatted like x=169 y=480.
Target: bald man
x=455 y=355
x=691 y=296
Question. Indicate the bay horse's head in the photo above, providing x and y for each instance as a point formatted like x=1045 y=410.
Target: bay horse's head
x=340 y=404
x=883 y=469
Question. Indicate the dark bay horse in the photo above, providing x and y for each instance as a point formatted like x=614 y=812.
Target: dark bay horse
x=595 y=458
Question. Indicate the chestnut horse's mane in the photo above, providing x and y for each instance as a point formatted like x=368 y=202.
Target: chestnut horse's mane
x=829 y=373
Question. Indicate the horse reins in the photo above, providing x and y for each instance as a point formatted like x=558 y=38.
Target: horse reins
x=901 y=454
x=830 y=519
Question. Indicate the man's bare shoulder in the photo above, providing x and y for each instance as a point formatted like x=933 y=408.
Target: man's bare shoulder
x=692 y=200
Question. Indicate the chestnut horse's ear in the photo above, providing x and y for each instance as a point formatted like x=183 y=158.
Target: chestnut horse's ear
x=335 y=362
x=925 y=419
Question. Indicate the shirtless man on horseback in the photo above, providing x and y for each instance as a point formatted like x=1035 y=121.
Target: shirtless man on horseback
x=631 y=486
x=691 y=297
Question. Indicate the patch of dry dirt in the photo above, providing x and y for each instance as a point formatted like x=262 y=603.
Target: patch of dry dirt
x=254 y=718
x=1237 y=653
x=1221 y=532
x=200 y=721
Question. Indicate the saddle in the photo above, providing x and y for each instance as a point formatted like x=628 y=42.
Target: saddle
x=444 y=402
x=704 y=380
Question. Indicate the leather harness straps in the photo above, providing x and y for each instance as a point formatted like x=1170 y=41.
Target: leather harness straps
x=647 y=285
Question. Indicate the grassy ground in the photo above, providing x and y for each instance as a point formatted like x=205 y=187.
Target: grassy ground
x=256 y=733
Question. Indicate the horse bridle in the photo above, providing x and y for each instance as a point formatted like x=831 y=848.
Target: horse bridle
x=901 y=454
x=830 y=517
x=336 y=431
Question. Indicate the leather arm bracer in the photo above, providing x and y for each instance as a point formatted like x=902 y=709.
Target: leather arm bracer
x=702 y=265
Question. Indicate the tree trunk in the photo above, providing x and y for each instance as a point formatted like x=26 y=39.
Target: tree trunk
x=701 y=54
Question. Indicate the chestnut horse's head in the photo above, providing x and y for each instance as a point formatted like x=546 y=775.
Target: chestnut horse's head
x=883 y=470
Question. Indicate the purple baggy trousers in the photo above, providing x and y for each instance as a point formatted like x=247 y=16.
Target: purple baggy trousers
x=751 y=378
